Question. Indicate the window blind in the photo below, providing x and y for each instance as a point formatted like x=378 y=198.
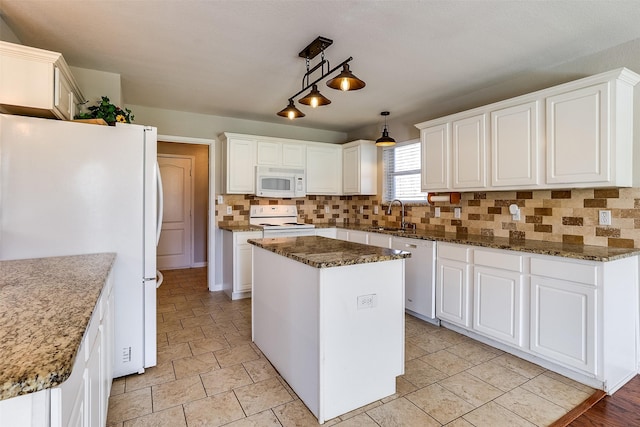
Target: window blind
x=401 y=165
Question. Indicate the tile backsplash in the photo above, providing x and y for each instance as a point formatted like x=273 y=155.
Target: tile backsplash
x=569 y=216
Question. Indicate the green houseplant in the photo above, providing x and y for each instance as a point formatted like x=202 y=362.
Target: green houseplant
x=107 y=111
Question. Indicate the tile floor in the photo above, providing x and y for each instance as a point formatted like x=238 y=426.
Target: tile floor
x=209 y=373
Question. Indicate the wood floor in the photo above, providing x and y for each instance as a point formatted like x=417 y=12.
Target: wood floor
x=620 y=410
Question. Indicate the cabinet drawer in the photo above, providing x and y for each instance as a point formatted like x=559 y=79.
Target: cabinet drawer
x=565 y=270
x=454 y=252
x=504 y=261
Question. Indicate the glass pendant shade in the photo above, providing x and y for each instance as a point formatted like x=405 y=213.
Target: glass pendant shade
x=346 y=80
x=291 y=112
x=314 y=98
x=385 y=140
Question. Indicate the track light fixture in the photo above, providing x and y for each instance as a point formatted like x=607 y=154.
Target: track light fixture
x=344 y=81
x=385 y=140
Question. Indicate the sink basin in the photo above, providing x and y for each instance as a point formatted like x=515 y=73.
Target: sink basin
x=394 y=229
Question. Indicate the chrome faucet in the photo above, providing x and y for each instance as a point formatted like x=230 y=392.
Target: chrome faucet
x=402 y=223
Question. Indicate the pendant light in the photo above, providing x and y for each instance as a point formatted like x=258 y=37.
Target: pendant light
x=385 y=140
x=290 y=112
x=346 y=80
x=314 y=98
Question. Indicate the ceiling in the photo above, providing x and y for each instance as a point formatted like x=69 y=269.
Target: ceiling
x=239 y=58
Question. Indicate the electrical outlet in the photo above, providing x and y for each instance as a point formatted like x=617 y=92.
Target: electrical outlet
x=220 y=200
x=456 y=212
x=604 y=218
x=229 y=210
x=375 y=210
x=361 y=209
x=326 y=208
x=436 y=212
x=367 y=301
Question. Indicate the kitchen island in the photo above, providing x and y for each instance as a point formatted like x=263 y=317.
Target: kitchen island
x=329 y=316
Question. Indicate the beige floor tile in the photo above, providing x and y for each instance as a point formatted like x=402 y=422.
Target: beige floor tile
x=447 y=362
x=412 y=351
x=194 y=365
x=174 y=351
x=172 y=417
x=470 y=388
x=169 y=326
x=164 y=308
x=497 y=375
x=159 y=374
x=430 y=342
x=360 y=410
x=235 y=355
x=216 y=331
x=263 y=395
x=225 y=379
x=362 y=420
x=532 y=408
x=403 y=387
x=162 y=340
x=520 y=366
x=555 y=391
x=440 y=403
x=206 y=309
x=177 y=315
x=236 y=339
x=262 y=419
x=495 y=415
x=260 y=369
x=173 y=299
x=203 y=320
x=208 y=345
x=569 y=381
x=177 y=392
x=473 y=351
x=185 y=335
x=188 y=305
x=452 y=336
x=461 y=422
x=295 y=413
x=117 y=386
x=401 y=412
x=421 y=374
x=129 y=405
x=213 y=411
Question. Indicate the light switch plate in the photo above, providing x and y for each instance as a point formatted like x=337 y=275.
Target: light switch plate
x=229 y=210
x=220 y=200
x=436 y=212
x=456 y=212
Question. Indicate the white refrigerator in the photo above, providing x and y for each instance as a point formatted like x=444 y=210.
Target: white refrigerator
x=72 y=188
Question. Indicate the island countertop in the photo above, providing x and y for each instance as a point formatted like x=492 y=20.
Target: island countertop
x=45 y=307
x=323 y=252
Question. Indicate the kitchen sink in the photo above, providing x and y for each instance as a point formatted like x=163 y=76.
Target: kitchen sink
x=394 y=229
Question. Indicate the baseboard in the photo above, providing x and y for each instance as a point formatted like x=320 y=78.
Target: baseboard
x=199 y=264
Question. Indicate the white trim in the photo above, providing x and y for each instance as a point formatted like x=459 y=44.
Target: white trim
x=199 y=264
x=211 y=244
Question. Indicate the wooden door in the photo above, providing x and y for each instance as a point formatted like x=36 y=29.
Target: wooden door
x=175 y=245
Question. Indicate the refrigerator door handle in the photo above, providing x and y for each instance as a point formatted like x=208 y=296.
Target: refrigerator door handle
x=160 y=204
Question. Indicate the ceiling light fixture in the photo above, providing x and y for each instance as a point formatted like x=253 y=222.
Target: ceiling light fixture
x=385 y=140
x=344 y=81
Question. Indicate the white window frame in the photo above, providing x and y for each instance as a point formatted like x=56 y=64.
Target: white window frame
x=385 y=174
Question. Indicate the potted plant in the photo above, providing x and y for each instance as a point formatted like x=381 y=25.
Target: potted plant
x=108 y=112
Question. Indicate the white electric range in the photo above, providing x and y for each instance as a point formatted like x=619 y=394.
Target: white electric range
x=279 y=221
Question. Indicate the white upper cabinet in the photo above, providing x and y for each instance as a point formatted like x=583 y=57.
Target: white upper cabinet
x=469 y=153
x=360 y=167
x=273 y=152
x=240 y=161
x=515 y=145
x=436 y=171
x=583 y=139
x=324 y=169
x=36 y=82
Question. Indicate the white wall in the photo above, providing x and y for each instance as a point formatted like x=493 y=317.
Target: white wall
x=95 y=84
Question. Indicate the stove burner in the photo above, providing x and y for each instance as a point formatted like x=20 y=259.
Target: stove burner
x=293 y=223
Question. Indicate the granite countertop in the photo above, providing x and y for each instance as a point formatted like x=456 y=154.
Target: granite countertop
x=322 y=252
x=45 y=307
x=239 y=228
x=583 y=252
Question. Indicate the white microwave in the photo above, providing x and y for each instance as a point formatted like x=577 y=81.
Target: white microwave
x=280 y=182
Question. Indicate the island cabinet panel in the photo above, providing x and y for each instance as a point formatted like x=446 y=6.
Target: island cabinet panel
x=336 y=335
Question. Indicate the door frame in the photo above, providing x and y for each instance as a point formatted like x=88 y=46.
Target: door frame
x=211 y=225
x=192 y=159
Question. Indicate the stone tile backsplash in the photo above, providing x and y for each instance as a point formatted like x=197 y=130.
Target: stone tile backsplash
x=569 y=216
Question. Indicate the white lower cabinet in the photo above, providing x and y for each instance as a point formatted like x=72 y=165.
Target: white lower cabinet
x=419 y=274
x=327 y=232
x=453 y=288
x=381 y=240
x=342 y=234
x=358 y=237
x=237 y=270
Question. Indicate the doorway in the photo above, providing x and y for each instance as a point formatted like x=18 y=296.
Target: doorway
x=203 y=243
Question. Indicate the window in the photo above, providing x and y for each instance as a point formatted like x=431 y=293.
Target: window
x=401 y=165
